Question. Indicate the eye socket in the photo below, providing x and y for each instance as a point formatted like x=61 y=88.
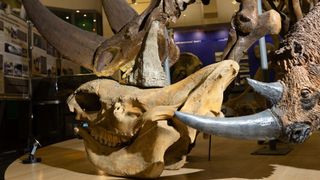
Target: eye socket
x=305 y=93
x=88 y=101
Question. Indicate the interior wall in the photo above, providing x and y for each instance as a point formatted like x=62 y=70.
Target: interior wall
x=74 y=4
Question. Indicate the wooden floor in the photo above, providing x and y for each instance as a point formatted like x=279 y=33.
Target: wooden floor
x=231 y=159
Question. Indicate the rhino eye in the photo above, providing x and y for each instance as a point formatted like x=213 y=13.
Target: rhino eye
x=308 y=100
x=305 y=93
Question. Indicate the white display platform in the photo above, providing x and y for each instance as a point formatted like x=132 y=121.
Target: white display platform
x=230 y=159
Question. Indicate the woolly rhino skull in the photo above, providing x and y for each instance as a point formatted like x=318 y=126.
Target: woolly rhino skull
x=132 y=131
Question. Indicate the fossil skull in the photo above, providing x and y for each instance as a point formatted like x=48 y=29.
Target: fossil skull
x=132 y=131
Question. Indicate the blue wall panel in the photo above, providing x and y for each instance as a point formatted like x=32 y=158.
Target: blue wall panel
x=204 y=44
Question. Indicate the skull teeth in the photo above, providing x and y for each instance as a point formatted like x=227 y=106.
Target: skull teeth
x=107 y=138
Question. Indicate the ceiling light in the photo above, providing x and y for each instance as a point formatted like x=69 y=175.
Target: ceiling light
x=67 y=17
x=94 y=20
x=77 y=11
x=85 y=15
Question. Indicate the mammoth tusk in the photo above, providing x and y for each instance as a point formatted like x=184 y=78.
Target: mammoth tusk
x=272 y=91
x=260 y=126
x=79 y=45
x=119 y=13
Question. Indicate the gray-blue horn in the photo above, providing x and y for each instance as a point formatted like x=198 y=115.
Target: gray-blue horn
x=272 y=91
x=260 y=126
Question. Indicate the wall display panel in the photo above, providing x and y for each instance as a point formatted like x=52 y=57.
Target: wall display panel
x=14 y=71
x=1 y=75
x=202 y=43
x=69 y=68
x=39 y=64
x=44 y=57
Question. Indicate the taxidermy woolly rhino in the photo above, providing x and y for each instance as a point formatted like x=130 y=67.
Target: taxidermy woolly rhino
x=295 y=97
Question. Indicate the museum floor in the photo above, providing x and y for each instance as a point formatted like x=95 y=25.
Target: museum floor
x=231 y=159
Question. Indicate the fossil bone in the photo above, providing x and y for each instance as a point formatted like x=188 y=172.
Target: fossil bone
x=119 y=13
x=107 y=56
x=150 y=72
x=128 y=118
x=248 y=27
x=74 y=43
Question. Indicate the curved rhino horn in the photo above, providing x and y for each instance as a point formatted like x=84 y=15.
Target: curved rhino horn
x=77 y=44
x=119 y=13
x=260 y=126
x=272 y=91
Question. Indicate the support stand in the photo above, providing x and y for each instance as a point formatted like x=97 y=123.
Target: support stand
x=209 y=148
x=32 y=158
x=272 y=149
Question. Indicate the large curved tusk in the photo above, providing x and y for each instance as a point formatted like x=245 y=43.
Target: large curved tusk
x=260 y=126
x=119 y=13
x=272 y=91
x=79 y=45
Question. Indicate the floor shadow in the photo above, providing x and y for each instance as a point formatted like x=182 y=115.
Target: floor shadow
x=233 y=159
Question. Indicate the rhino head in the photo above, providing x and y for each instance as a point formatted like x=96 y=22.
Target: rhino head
x=295 y=113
